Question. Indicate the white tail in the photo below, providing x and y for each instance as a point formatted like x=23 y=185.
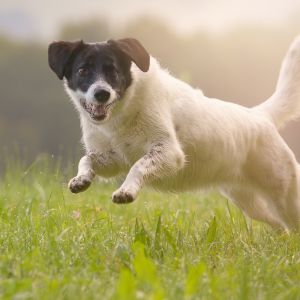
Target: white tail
x=284 y=104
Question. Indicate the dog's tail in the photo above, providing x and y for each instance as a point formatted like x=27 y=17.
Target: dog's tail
x=284 y=104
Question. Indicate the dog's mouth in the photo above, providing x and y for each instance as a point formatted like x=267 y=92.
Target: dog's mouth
x=97 y=112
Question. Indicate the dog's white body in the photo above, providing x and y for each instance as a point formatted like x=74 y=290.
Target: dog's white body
x=168 y=135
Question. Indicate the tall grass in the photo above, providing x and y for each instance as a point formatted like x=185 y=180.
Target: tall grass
x=55 y=245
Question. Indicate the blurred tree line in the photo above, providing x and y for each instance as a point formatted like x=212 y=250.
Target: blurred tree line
x=240 y=65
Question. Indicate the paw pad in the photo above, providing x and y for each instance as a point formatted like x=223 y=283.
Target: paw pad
x=122 y=197
x=79 y=184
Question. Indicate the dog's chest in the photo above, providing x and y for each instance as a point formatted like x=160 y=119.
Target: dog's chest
x=129 y=140
x=130 y=143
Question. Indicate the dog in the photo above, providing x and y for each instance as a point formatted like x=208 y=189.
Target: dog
x=137 y=119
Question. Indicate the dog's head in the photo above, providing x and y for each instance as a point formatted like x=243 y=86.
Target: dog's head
x=97 y=74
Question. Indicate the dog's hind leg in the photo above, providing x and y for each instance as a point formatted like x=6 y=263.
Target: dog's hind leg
x=285 y=206
x=285 y=196
x=274 y=172
x=254 y=206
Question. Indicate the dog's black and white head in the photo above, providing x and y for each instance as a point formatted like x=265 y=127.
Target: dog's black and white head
x=97 y=74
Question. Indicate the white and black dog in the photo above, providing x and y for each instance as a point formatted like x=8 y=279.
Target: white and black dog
x=138 y=119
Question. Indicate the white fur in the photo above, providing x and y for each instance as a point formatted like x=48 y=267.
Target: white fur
x=165 y=134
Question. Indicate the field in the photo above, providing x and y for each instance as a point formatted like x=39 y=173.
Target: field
x=55 y=245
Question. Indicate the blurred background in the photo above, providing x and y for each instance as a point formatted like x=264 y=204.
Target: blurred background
x=231 y=49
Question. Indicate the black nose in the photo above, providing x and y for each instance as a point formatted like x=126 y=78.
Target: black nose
x=102 y=95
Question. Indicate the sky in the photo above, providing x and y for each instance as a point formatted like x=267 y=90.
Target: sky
x=41 y=19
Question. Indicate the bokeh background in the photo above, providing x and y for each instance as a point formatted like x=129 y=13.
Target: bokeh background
x=232 y=50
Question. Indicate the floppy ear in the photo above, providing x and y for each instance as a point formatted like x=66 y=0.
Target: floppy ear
x=59 y=54
x=134 y=50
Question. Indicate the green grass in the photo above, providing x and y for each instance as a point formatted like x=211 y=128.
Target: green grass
x=55 y=245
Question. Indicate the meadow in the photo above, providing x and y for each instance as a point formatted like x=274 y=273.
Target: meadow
x=56 y=245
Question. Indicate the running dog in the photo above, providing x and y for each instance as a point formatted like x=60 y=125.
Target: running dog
x=138 y=119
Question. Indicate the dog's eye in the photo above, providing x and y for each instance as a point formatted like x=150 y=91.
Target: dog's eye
x=109 y=68
x=82 y=71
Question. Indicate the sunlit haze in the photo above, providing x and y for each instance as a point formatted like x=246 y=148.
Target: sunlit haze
x=36 y=19
x=231 y=49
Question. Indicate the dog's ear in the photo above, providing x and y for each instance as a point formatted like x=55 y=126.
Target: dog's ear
x=134 y=50
x=59 y=53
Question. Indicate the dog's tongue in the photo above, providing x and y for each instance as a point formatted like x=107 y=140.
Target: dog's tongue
x=98 y=110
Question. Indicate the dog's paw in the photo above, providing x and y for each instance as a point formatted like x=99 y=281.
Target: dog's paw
x=79 y=184
x=123 y=196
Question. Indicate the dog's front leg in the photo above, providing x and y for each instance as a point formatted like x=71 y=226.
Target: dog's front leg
x=163 y=159
x=84 y=176
x=104 y=164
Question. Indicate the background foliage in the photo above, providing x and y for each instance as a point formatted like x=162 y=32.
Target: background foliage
x=240 y=65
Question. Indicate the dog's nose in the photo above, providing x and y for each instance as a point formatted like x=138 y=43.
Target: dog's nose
x=102 y=95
